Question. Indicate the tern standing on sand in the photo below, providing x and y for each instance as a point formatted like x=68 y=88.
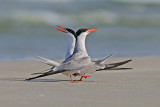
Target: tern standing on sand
x=78 y=61
x=78 y=53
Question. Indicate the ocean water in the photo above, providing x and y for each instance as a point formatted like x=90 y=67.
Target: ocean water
x=127 y=27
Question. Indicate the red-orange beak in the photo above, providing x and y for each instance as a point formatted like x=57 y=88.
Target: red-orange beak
x=92 y=30
x=62 y=29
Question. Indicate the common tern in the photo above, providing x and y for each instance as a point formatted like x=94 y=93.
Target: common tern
x=79 y=62
x=71 y=44
x=80 y=56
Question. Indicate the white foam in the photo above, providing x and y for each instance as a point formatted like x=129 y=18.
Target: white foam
x=140 y=1
x=46 y=1
x=47 y=17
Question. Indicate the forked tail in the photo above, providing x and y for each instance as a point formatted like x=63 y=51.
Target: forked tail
x=114 y=65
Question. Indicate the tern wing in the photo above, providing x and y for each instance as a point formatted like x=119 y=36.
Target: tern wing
x=91 y=68
x=75 y=56
x=44 y=74
x=71 y=66
x=74 y=64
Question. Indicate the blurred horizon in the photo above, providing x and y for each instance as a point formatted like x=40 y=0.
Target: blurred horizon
x=129 y=27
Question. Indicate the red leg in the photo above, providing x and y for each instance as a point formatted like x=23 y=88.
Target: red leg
x=72 y=80
x=83 y=75
x=80 y=78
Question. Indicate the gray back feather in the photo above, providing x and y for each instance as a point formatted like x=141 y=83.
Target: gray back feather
x=75 y=64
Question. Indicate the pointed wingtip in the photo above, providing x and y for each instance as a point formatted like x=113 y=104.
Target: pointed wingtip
x=28 y=79
x=129 y=60
x=120 y=68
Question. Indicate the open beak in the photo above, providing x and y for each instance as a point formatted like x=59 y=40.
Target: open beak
x=92 y=30
x=62 y=29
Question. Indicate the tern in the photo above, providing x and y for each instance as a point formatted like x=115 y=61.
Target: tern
x=71 y=45
x=79 y=63
x=71 y=40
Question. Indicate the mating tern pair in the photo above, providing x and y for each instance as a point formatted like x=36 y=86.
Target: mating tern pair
x=77 y=62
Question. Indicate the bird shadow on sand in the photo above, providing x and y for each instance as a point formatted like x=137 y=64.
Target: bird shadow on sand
x=36 y=80
x=46 y=80
x=52 y=80
x=11 y=79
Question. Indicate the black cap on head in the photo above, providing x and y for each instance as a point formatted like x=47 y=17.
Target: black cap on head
x=71 y=31
x=80 y=31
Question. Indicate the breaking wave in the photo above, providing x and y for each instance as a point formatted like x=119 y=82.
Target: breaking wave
x=99 y=18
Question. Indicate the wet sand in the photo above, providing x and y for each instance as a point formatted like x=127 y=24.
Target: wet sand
x=139 y=87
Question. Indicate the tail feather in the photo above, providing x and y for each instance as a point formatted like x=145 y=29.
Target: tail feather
x=42 y=72
x=102 y=61
x=51 y=62
x=45 y=60
x=114 y=65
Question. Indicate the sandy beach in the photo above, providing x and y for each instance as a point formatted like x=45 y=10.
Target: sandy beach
x=138 y=87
